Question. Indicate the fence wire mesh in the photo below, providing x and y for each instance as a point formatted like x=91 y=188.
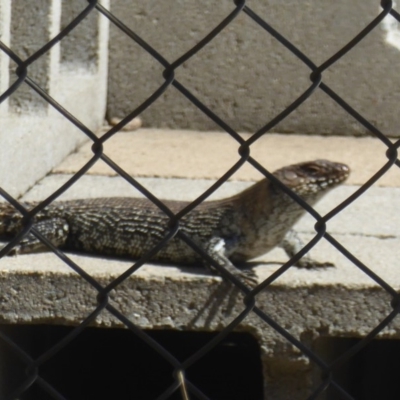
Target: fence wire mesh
x=181 y=383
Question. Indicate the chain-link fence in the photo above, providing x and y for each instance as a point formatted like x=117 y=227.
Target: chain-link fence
x=181 y=383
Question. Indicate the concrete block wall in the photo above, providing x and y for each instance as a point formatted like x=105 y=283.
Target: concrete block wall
x=34 y=137
x=246 y=76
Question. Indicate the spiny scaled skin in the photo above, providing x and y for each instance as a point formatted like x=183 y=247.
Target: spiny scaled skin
x=235 y=229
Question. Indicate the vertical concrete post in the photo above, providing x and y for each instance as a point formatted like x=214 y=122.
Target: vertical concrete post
x=34 y=137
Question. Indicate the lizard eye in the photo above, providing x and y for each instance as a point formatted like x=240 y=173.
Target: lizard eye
x=312 y=169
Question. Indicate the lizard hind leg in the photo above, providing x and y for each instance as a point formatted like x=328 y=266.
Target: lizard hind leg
x=55 y=230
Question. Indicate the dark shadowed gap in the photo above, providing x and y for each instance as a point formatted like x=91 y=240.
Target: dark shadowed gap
x=114 y=364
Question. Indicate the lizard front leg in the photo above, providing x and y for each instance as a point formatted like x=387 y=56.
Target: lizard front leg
x=54 y=229
x=292 y=244
x=216 y=249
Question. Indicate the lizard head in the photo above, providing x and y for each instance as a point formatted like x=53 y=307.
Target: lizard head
x=313 y=178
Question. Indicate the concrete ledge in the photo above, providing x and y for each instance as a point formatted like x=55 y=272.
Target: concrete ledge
x=310 y=304
x=340 y=302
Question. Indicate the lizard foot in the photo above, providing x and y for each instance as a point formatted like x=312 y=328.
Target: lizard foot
x=248 y=276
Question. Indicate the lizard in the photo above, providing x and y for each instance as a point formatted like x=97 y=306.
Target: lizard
x=232 y=230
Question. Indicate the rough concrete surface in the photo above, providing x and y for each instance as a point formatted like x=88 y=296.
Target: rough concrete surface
x=246 y=76
x=340 y=301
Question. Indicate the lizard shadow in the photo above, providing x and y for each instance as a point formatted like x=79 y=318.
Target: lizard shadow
x=221 y=301
x=225 y=298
